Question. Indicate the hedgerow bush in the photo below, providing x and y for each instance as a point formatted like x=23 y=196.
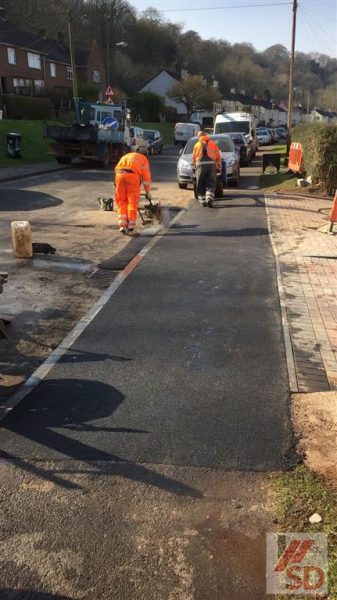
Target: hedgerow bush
x=26 y=107
x=319 y=142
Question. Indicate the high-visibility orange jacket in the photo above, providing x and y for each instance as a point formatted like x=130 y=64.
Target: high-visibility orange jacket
x=205 y=144
x=137 y=163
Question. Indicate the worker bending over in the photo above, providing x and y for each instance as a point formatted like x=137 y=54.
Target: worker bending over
x=132 y=170
x=206 y=161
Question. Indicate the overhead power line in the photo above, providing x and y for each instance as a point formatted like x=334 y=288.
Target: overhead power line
x=225 y=7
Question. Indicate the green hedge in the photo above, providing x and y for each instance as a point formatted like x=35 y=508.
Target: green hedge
x=26 y=107
x=319 y=141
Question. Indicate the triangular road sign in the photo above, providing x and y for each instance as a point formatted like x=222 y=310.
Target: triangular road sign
x=109 y=91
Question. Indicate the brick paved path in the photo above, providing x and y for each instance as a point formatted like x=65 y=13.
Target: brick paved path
x=308 y=264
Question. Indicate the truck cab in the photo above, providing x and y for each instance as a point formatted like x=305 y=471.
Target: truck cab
x=238 y=122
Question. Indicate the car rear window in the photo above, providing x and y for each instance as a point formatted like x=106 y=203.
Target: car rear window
x=225 y=144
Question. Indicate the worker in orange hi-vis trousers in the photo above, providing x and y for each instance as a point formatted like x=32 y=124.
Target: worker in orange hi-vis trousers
x=132 y=170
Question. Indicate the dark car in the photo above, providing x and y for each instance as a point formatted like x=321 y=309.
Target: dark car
x=243 y=146
x=155 y=140
x=282 y=133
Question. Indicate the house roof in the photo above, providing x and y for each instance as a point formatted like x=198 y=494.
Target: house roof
x=54 y=50
x=326 y=113
x=250 y=101
x=171 y=73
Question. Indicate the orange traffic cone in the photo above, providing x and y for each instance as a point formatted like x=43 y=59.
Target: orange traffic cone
x=333 y=213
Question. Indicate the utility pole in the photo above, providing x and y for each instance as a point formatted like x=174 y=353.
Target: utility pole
x=73 y=66
x=108 y=54
x=291 y=74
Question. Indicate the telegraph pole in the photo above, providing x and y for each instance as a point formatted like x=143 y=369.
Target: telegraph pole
x=73 y=66
x=291 y=73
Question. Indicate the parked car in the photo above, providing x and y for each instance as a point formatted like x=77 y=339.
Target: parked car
x=230 y=160
x=184 y=131
x=274 y=136
x=138 y=141
x=263 y=136
x=243 y=146
x=282 y=133
x=156 y=142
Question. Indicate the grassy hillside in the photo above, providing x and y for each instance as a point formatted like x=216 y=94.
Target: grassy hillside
x=33 y=147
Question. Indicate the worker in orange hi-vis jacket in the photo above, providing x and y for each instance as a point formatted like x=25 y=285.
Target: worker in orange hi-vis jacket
x=132 y=170
x=206 y=161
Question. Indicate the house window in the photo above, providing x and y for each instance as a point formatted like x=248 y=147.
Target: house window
x=38 y=85
x=34 y=60
x=52 y=70
x=96 y=76
x=22 y=86
x=11 y=54
x=69 y=73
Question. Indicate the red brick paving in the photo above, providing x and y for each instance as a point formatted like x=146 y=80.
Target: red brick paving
x=308 y=264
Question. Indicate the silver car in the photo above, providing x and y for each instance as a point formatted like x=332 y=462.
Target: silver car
x=229 y=156
x=263 y=136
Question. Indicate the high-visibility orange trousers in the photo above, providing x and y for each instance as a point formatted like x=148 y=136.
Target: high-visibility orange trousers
x=127 y=198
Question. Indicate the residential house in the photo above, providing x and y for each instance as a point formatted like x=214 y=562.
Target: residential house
x=266 y=111
x=323 y=116
x=161 y=84
x=32 y=63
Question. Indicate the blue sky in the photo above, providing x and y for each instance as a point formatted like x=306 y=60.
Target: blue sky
x=261 y=25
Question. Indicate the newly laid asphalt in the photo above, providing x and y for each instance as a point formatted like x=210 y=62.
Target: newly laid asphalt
x=185 y=364
x=139 y=468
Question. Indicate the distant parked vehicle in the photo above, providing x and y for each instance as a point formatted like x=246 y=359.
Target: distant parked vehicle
x=274 y=135
x=282 y=133
x=263 y=136
x=184 y=131
x=156 y=142
x=243 y=146
x=138 y=141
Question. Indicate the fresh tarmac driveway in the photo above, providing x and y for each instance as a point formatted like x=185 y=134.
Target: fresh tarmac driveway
x=184 y=365
x=138 y=470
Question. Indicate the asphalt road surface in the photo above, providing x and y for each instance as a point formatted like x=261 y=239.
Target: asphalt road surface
x=137 y=469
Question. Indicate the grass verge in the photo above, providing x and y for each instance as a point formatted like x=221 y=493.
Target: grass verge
x=280 y=182
x=299 y=494
x=34 y=148
x=166 y=130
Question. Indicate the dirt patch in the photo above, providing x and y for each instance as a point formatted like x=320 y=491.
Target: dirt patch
x=315 y=423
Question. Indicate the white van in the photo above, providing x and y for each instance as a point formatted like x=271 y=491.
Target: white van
x=184 y=131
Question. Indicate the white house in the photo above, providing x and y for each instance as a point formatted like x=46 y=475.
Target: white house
x=161 y=84
x=323 y=116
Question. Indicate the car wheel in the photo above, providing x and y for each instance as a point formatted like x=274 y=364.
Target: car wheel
x=182 y=186
x=219 y=189
x=64 y=160
x=106 y=159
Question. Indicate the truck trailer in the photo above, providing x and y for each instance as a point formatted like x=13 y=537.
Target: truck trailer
x=102 y=134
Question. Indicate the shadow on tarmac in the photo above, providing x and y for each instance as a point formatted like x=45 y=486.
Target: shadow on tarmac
x=53 y=416
x=17 y=594
x=22 y=200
